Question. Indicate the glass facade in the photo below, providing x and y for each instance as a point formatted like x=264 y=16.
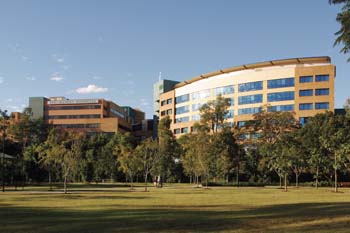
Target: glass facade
x=323 y=91
x=196 y=107
x=181 y=110
x=322 y=78
x=281 y=108
x=322 y=105
x=196 y=117
x=182 y=119
x=226 y=90
x=245 y=111
x=306 y=79
x=252 y=86
x=201 y=94
x=250 y=99
x=230 y=114
x=280 y=96
x=278 y=83
x=306 y=106
x=182 y=98
x=308 y=92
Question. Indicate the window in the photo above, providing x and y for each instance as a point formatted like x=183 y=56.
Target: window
x=306 y=79
x=245 y=111
x=74 y=107
x=182 y=98
x=182 y=119
x=322 y=78
x=181 y=110
x=278 y=83
x=226 y=90
x=162 y=113
x=241 y=123
x=169 y=101
x=281 y=108
x=169 y=112
x=230 y=114
x=201 y=94
x=305 y=106
x=280 y=96
x=196 y=107
x=196 y=117
x=322 y=105
x=163 y=103
x=303 y=120
x=231 y=101
x=308 y=92
x=323 y=91
x=252 y=86
x=250 y=99
x=177 y=131
x=184 y=130
x=87 y=116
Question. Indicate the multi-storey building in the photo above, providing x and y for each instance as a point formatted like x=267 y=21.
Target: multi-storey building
x=88 y=115
x=302 y=85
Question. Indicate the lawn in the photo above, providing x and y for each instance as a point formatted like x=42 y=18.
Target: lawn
x=174 y=208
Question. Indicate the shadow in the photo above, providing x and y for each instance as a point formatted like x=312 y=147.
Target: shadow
x=307 y=217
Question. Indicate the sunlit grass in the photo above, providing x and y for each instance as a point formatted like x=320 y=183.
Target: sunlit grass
x=174 y=208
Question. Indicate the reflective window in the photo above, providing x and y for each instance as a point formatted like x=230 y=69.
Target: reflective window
x=201 y=94
x=196 y=117
x=306 y=79
x=306 y=106
x=278 y=83
x=308 y=92
x=322 y=105
x=182 y=119
x=177 y=131
x=280 y=96
x=68 y=107
x=169 y=112
x=182 y=98
x=252 y=86
x=281 y=108
x=322 y=78
x=245 y=111
x=224 y=90
x=169 y=101
x=230 y=114
x=87 y=116
x=241 y=123
x=79 y=126
x=181 y=110
x=303 y=120
x=184 y=130
x=163 y=103
x=250 y=99
x=196 y=107
x=231 y=101
x=323 y=91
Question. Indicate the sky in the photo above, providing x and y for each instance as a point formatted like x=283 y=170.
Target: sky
x=115 y=49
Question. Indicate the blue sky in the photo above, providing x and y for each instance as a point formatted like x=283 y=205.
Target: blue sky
x=116 y=49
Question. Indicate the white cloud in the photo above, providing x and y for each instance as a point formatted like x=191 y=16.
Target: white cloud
x=60 y=60
x=56 y=78
x=30 y=78
x=91 y=89
x=97 y=77
x=1 y=80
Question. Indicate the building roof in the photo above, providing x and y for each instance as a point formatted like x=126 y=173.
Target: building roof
x=290 y=61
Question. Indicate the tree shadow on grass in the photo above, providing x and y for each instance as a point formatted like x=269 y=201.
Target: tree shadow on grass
x=308 y=217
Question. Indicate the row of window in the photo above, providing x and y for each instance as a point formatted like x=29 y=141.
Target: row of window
x=271 y=97
x=318 y=106
x=181 y=130
x=166 y=112
x=251 y=86
x=79 y=126
x=87 y=116
x=165 y=102
x=69 y=107
x=310 y=92
x=310 y=79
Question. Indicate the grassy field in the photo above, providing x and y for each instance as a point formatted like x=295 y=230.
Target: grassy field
x=174 y=208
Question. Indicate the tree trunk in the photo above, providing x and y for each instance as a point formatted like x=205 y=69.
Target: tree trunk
x=3 y=171
x=335 y=181
x=296 y=179
x=146 y=181
x=131 y=182
x=317 y=167
x=50 y=183
x=65 y=185
x=285 y=183
x=280 y=181
x=237 y=176
x=197 y=181
x=190 y=179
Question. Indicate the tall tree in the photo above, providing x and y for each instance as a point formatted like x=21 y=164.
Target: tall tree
x=3 y=119
x=343 y=35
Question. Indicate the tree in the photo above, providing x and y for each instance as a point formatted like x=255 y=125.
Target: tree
x=3 y=118
x=343 y=35
x=130 y=163
x=214 y=113
x=148 y=153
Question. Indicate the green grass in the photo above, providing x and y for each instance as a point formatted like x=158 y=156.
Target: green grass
x=174 y=208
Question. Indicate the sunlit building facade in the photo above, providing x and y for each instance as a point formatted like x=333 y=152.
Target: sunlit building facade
x=302 y=85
